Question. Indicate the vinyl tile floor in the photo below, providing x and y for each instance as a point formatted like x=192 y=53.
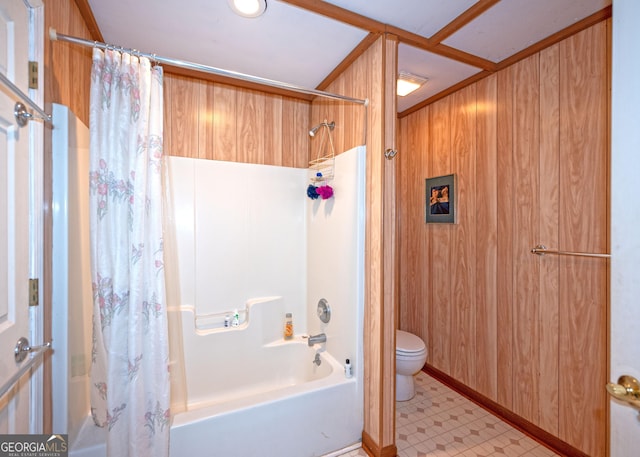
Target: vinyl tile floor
x=439 y=422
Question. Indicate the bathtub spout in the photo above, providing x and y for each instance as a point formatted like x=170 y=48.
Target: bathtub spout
x=315 y=339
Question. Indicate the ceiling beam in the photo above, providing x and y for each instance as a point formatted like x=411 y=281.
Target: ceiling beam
x=462 y=20
x=371 y=25
x=579 y=26
x=420 y=42
x=464 y=57
x=339 y=14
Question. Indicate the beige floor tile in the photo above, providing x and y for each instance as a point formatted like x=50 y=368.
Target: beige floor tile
x=438 y=422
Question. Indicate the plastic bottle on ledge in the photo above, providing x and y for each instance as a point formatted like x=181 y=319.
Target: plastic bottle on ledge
x=288 y=326
x=348 y=372
x=236 y=319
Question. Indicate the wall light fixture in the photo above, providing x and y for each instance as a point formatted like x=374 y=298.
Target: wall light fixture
x=408 y=83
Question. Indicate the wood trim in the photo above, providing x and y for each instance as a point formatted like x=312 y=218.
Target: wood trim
x=579 y=26
x=349 y=60
x=421 y=42
x=584 y=24
x=89 y=19
x=462 y=20
x=410 y=38
x=339 y=14
x=372 y=448
x=374 y=27
x=543 y=437
x=389 y=239
x=464 y=57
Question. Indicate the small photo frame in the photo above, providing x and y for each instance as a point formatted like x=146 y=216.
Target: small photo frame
x=440 y=200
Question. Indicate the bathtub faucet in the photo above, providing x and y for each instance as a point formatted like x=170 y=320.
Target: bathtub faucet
x=315 y=339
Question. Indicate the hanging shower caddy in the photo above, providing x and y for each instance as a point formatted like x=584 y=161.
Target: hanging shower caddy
x=324 y=163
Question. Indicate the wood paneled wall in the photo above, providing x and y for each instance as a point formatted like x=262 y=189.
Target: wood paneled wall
x=67 y=66
x=209 y=120
x=530 y=149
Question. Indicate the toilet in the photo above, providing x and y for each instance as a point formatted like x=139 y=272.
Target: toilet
x=411 y=354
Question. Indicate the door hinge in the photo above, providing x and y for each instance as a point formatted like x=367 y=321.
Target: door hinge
x=33 y=74
x=33 y=292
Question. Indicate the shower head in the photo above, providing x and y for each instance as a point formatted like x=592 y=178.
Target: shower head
x=315 y=129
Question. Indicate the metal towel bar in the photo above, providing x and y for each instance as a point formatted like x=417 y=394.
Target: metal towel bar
x=542 y=250
x=37 y=353
x=20 y=112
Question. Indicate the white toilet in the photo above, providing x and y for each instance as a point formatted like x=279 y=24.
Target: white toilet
x=411 y=354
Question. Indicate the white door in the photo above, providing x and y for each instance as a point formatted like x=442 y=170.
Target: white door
x=625 y=222
x=15 y=226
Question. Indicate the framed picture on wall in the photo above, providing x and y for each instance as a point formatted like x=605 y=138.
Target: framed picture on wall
x=440 y=200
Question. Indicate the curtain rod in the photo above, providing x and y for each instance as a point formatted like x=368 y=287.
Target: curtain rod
x=53 y=36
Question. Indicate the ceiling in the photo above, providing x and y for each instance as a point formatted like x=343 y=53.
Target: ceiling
x=301 y=42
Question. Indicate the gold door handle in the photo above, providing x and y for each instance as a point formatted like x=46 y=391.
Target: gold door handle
x=627 y=389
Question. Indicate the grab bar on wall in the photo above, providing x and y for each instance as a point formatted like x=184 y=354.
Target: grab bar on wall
x=20 y=111
x=542 y=250
x=37 y=352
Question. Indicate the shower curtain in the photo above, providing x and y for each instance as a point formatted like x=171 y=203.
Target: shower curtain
x=130 y=354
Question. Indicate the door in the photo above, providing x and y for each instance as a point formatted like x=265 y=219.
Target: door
x=15 y=198
x=625 y=222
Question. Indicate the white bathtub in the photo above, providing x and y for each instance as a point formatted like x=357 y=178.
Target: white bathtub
x=312 y=413
x=248 y=392
x=307 y=411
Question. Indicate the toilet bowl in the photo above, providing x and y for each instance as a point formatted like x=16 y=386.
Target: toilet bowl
x=411 y=354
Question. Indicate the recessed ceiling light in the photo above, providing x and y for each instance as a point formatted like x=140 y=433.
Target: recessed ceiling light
x=248 y=8
x=408 y=83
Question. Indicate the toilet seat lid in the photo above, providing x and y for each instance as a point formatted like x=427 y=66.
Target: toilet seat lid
x=408 y=342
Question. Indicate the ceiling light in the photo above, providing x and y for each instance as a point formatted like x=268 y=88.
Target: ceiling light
x=248 y=8
x=408 y=82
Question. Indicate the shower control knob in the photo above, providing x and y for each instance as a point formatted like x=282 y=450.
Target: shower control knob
x=324 y=311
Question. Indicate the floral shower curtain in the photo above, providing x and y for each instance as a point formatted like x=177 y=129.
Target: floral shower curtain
x=130 y=354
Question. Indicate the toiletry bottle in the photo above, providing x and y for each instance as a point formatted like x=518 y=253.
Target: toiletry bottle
x=288 y=326
x=227 y=321
x=347 y=369
x=236 y=319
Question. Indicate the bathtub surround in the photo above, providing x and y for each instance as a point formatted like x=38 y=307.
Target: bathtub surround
x=276 y=282
x=71 y=296
x=240 y=233
x=252 y=240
